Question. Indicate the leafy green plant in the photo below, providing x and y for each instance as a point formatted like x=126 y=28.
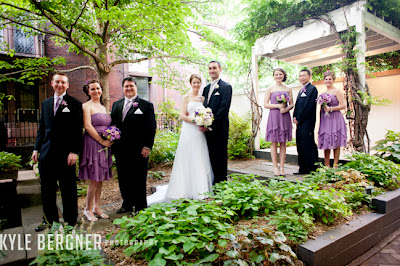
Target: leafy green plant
x=302 y=197
x=169 y=115
x=295 y=226
x=244 y=194
x=81 y=188
x=259 y=245
x=9 y=161
x=164 y=148
x=389 y=147
x=184 y=229
x=62 y=248
x=382 y=172
x=157 y=174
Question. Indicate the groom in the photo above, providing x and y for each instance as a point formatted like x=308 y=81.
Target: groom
x=304 y=116
x=135 y=118
x=218 y=96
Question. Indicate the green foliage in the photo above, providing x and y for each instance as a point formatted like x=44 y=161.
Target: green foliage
x=169 y=115
x=61 y=248
x=9 y=161
x=239 y=136
x=157 y=174
x=245 y=194
x=383 y=173
x=307 y=198
x=185 y=229
x=81 y=188
x=255 y=246
x=389 y=147
x=164 y=148
x=294 y=225
x=267 y=144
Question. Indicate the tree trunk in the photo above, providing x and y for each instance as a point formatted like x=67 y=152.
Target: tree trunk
x=104 y=82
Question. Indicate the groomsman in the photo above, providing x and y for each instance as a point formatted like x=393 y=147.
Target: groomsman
x=304 y=117
x=218 y=96
x=58 y=143
x=136 y=120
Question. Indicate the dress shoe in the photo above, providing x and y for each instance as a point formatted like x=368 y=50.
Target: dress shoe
x=299 y=173
x=123 y=210
x=42 y=227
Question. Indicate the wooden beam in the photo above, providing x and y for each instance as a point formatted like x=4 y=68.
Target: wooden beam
x=382 y=27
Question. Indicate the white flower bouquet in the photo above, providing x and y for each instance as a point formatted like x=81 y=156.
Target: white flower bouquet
x=203 y=117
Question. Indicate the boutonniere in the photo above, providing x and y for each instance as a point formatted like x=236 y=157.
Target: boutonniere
x=64 y=103
x=303 y=89
x=135 y=104
x=216 y=86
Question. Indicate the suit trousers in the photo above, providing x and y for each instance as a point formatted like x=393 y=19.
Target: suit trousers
x=218 y=152
x=306 y=149
x=132 y=175
x=52 y=169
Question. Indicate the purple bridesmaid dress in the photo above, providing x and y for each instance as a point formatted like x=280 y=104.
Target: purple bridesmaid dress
x=279 y=126
x=94 y=165
x=332 y=128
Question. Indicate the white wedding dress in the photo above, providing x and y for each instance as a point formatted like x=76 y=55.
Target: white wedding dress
x=191 y=174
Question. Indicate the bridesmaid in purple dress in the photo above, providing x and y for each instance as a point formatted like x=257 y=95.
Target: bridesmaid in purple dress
x=279 y=125
x=332 y=127
x=95 y=162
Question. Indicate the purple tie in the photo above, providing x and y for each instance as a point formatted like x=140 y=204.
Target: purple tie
x=57 y=104
x=126 y=109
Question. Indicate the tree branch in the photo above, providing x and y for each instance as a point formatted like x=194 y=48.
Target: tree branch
x=68 y=34
x=48 y=69
x=78 y=17
x=133 y=61
x=31 y=27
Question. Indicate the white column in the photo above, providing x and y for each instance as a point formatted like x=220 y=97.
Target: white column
x=361 y=46
x=254 y=75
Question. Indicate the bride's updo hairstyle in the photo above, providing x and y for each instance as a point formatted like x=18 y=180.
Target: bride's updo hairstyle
x=193 y=76
x=330 y=73
x=86 y=86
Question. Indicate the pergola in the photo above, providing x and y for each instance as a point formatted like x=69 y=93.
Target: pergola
x=316 y=44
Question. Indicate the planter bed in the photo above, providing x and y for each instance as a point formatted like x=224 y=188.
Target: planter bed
x=345 y=243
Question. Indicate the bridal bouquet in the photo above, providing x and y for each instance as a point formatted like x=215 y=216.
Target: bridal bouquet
x=203 y=117
x=323 y=100
x=111 y=133
x=283 y=98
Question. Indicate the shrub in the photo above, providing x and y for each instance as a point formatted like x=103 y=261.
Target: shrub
x=239 y=136
x=389 y=147
x=164 y=148
x=383 y=173
x=267 y=144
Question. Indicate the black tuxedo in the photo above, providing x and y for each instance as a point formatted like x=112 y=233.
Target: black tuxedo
x=217 y=138
x=58 y=136
x=137 y=131
x=305 y=113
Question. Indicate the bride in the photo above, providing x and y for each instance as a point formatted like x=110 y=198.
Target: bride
x=191 y=174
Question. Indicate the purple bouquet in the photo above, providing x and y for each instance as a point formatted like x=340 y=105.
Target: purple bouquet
x=283 y=98
x=111 y=133
x=323 y=100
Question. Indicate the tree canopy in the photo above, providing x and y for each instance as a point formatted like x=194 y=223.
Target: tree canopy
x=110 y=32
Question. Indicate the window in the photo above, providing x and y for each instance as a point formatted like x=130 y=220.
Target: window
x=24 y=43
x=143 y=87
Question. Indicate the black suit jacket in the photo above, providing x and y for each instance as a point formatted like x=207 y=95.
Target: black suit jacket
x=137 y=130
x=60 y=134
x=305 y=109
x=220 y=102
